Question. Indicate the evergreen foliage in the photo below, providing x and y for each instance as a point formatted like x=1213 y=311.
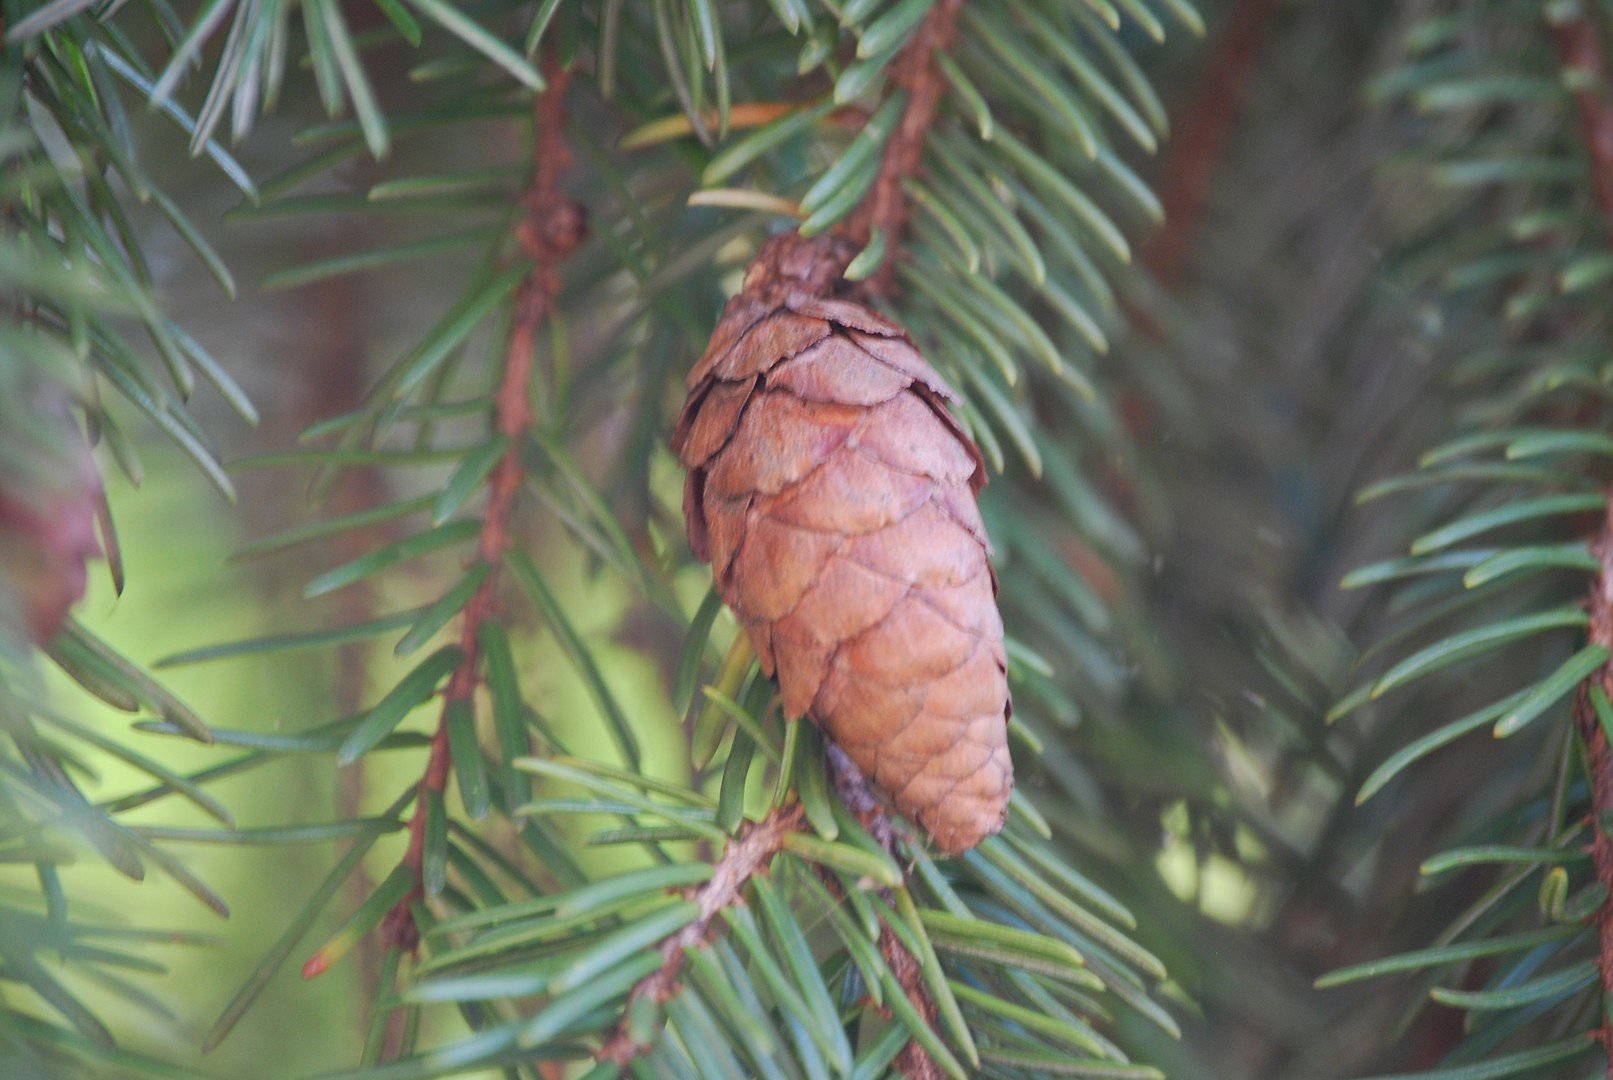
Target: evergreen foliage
x=1219 y=799
x=853 y=949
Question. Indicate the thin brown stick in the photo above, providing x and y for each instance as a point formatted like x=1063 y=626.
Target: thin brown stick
x=915 y=71
x=913 y=1062
x=552 y=228
x=750 y=854
x=337 y=377
x=1599 y=763
x=1585 y=69
x=1199 y=144
x=886 y=208
x=1578 y=40
x=747 y=855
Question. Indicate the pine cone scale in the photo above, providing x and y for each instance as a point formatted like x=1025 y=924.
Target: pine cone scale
x=722 y=408
x=779 y=442
x=836 y=369
x=851 y=496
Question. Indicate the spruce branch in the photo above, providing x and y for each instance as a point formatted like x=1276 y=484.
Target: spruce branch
x=337 y=388
x=815 y=264
x=912 y=1062
x=746 y=855
x=552 y=227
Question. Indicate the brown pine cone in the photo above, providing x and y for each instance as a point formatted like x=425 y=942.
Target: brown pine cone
x=46 y=536
x=834 y=496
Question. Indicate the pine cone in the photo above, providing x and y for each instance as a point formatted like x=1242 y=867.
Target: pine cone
x=47 y=533
x=834 y=496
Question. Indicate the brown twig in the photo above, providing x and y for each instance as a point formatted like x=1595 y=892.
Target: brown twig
x=747 y=855
x=1599 y=763
x=885 y=208
x=915 y=72
x=913 y=1062
x=750 y=854
x=336 y=378
x=552 y=227
x=1585 y=71
x=1199 y=144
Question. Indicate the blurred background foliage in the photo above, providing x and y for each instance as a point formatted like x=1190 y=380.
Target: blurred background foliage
x=1379 y=235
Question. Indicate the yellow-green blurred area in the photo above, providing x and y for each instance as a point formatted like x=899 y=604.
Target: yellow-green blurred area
x=181 y=594
x=183 y=591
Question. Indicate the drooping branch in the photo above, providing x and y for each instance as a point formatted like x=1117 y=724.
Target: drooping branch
x=551 y=228
x=747 y=855
x=915 y=72
x=885 y=209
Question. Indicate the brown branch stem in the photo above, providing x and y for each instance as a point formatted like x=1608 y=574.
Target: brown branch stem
x=336 y=376
x=915 y=72
x=750 y=854
x=885 y=208
x=1599 y=762
x=1578 y=40
x=747 y=855
x=1585 y=70
x=913 y=1062
x=1199 y=142
x=552 y=226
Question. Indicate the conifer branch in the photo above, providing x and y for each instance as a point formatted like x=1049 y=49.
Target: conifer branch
x=747 y=855
x=336 y=380
x=750 y=854
x=552 y=227
x=816 y=263
x=912 y=1062
x=886 y=207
